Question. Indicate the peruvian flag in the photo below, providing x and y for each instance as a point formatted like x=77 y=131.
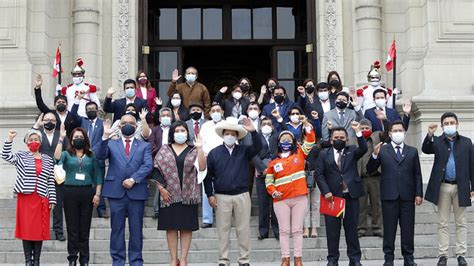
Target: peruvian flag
x=392 y=54
x=57 y=62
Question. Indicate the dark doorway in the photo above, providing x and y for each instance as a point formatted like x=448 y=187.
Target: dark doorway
x=224 y=66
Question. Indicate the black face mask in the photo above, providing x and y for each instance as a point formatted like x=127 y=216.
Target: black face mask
x=271 y=88
x=78 y=143
x=49 y=126
x=91 y=115
x=341 y=105
x=338 y=144
x=279 y=98
x=128 y=130
x=334 y=83
x=61 y=107
x=196 y=115
x=244 y=87
x=310 y=89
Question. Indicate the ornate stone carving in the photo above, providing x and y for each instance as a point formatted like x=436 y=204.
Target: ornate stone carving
x=330 y=33
x=123 y=40
x=9 y=21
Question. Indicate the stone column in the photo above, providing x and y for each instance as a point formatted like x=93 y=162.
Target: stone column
x=369 y=35
x=86 y=28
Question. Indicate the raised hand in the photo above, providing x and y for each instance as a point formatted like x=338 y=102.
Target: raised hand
x=198 y=141
x=39 y=121
x=38 y=82
x=276 y=113
x=110 y=92
x=11 y=135
x=80 y=94
x=432 y=129
x=354 y=100
x=355 y=125
x=175 y=75
x=380 y=114
x=377 y=149
x=301 y=90
x=248 y=125
x=107 y=129
x=143 y=114
x=158 y=101
x=263 y=89
x=62 y=132
x=329 y=123
x=223 y=89
x=407 y=107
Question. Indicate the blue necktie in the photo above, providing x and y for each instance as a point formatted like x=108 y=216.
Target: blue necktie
x=399 y=154
x=91 y=129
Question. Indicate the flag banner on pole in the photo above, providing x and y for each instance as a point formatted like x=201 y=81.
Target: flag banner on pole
x=392 y=54
x=57 y=63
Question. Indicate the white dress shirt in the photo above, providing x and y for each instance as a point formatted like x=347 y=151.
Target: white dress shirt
x=326 y=105
x=164 y=136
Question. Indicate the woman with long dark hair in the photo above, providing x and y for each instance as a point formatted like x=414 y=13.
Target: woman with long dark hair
x=335 y=84
x=82 y=188
x=145 y=91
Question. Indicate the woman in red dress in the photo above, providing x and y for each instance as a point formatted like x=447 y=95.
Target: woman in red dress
x=36 y=194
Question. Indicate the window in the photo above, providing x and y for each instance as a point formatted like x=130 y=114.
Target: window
x=212 y=23
x=262 y=23
x=191 y=23
x=168 y=27
x=241 y=28
x=285 y=23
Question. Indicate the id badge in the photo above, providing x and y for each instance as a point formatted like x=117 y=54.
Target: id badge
x=81 y=177
x=278 y=167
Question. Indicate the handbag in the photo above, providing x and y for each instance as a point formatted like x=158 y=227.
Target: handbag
x=310 y=179
x=59 y=174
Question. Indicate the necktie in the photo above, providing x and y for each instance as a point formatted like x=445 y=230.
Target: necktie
x=339 y=159
x=399 y=154
x=91 y=129
x=127 y=147
x=196 y=128
x=341 y=116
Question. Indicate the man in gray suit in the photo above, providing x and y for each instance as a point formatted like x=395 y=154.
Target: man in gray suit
x=196 y=121
x=341 y=116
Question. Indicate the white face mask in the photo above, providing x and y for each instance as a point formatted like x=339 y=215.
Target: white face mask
x=380 y=103
x=216 y=117
x=190 y=78
x=175 y=102
x=398 y=137
x=77 y=80
x=180 y=137
x=237 y=95
x=267 y=130
x=295 y=119
x=324 y=95
x=165 y=121
x=375 y=83
x=229 y=140
x=253 y=114
x=450 y=130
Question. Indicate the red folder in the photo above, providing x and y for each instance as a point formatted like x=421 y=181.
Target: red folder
x=336 y=209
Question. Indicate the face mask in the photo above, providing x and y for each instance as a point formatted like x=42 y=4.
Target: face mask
x=309 y=89
x=78 y=143
x=271 y=88
x=175 y=102
x=237 y=95
x=295 y=119
x=279 y=98
x=128 y=130
x=229 y=140
x=91 y=115
x=338 y=144
x=143 y=81
x=244 y=87
x=341 y=105
x=334 y=83
x=216 y=117
x=77 y=80
x=130 y=93
x=267 y=130
x=366 y=133
x=166 y=121
x=286 y=146
x=253 y=114
x=34 y=146
x=450 y=130
x=398 y=137
x=324 y=95
x=380 y=103
x=180 y=137
x=49 y=126
x=61 y=107
x=375 y=83
x=196 y=115
x=190 y=78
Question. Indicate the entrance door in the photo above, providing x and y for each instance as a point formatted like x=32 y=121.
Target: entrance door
x=161 y=63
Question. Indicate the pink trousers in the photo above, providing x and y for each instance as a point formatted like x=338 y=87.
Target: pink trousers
x=290 y=214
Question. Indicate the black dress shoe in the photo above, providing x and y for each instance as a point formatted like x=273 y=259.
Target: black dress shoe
x=60 y=237
x=443 y=261
x=355 y=263
x=462 y=261
x=332 y=264
x=262 y=237
x=277 y=237
x=205 y=225
x=72 y=263
x=411 y=263
x=388 y=263
x=244 y=264
x=221 y=264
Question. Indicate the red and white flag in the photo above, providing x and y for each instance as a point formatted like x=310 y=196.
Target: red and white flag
x=392 y=54
x=57 y=63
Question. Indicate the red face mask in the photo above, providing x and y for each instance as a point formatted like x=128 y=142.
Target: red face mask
x=33 y=146
x=366 y=133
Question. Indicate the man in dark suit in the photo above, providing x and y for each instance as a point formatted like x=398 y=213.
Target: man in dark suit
x=401 y=187
x=451 y=182
x=117 y=107
x=126 y=187
x=195 y=123
x=320 y=102
x=236 y=105
x=381 y=113
x=338 y=176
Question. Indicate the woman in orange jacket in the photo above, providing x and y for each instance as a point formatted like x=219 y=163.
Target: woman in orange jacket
x=286 y=183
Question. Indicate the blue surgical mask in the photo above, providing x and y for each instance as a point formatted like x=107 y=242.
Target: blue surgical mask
x=128 y=130
x=180 y=137
x=286 y=146
x=130 y=93
x=450 y=130
x=190 y=78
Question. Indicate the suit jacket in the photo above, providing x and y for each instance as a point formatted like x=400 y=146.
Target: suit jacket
x=150 y=98
x=155 y=140
x=464 y=160
x=285 y=111
x=391 y=114
x=333 y=116
x=308 y=107
x=137 y=166
x=190 y=124
x=117 y=107
x=399 y=178
x=49 y=148
x=85 y=123
x=69 y=123
x=228 y=104
x=330 y=177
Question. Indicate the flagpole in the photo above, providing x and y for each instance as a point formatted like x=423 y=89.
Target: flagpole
x=58 y=92
x=394 y=94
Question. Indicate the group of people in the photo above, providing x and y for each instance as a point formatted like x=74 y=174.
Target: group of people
x=329 y=142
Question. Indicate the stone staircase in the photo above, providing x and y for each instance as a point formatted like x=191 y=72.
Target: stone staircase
x=204 y=245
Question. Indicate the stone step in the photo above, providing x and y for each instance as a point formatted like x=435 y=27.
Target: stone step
x=263 y=255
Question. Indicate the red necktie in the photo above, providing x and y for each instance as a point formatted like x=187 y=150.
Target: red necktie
x=196 y=128
x=127 y=147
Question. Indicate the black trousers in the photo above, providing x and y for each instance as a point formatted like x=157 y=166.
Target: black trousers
x=58 y=211
x=398 y=212
x=78 y=211
x=333 y=232
x=265 y=205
